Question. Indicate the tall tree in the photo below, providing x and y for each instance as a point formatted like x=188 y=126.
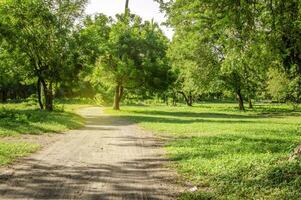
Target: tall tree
x=194 y=63
x=43 y=31
x=134 y=58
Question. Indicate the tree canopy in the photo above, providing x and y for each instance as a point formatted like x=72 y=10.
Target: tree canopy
x=42 y=31
x=242 y=49
x=245 y=39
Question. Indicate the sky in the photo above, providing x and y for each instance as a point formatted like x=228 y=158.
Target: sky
x=147 y=9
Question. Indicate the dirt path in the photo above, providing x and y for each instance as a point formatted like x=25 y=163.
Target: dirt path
x=107 y=159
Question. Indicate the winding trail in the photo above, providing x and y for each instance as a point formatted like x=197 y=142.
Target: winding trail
x=107 y=159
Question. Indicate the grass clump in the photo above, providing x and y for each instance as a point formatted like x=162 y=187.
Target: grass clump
x=10 y=151
x=232 y=154
x=16 y=119
x=197 y=196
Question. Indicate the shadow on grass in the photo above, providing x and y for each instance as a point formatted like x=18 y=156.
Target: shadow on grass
x=265 y=113
x=110 y=122
x=239 y=167
x=32 y=121
x=209 y=147
x=172 y=120
x=196 y=114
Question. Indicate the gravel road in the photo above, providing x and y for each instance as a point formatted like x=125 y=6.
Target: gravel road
x=107 y=159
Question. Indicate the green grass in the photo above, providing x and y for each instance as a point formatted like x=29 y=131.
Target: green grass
x=229 y=154
x=18 y=119
x=10 y=151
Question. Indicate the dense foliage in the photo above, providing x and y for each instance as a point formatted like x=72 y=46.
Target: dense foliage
x=221 y=49
x=248 y=42
x=134 y=58
x=42 y=32
x=53 y=46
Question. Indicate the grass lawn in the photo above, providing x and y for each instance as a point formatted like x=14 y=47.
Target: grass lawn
x=25 y=118
x=227 y=153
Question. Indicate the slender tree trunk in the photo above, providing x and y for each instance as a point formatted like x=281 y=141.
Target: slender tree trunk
x=188 y=102
x=119 y=90
x=190 y=99
x=48 y=95
x=39 y=85
x=174 y=99
x=49 y=98
x=240 y=100
x=250 y=103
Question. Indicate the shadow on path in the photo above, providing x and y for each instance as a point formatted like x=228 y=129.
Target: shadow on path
x=38 y=180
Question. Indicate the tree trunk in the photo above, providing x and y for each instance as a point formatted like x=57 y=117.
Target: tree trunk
x=190 y=99
x=49 y=102
x=48 y=95
x=40 y=94
x=188 y=102
x=174 y=99
x=118 y=96
x=250 y=104
x=240 y=100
